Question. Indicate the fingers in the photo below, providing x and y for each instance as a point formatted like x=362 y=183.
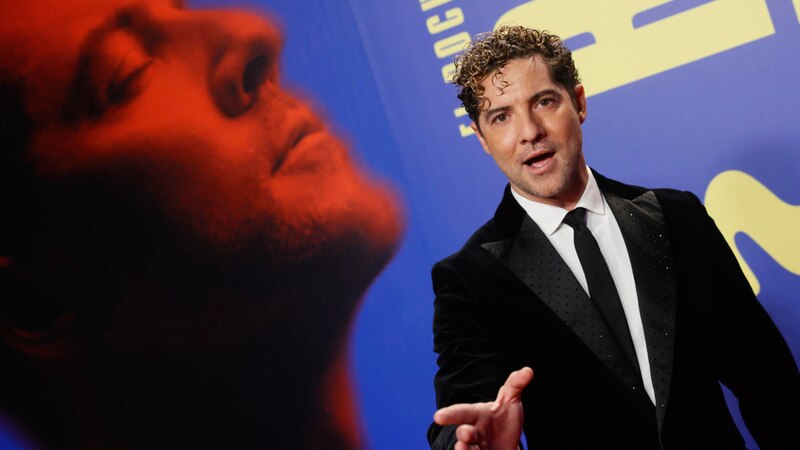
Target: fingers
x=516 y=382
x=469 y=438
x=470 y=412
x=458 y=414
x=463 y=446
x=468 y=434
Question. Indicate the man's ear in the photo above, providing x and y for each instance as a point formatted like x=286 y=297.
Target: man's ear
x=480 y=137
x=29 y=325
x=580 y=102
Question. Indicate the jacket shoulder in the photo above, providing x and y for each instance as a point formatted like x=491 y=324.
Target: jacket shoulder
x=668 y=198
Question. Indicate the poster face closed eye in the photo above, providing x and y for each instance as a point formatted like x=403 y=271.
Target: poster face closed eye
x=230 y=209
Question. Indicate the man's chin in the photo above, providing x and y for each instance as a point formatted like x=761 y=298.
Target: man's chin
x=355 y=225
x=304 y=271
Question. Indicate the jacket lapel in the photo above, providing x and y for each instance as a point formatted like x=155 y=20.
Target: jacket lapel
x=530 y=256
x=525 y=251
x=644 y=231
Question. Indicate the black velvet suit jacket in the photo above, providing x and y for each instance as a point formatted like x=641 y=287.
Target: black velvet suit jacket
x=507 y=300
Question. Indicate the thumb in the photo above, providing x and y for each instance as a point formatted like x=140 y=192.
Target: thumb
x=516 y=382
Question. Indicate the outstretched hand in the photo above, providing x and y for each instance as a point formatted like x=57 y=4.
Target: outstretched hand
x=493 y=425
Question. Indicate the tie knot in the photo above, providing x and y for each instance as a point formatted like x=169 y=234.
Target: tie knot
x=575 y=218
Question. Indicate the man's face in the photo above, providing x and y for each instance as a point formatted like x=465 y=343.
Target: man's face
x=532 y=128
x=187 y=106
x=180 y=114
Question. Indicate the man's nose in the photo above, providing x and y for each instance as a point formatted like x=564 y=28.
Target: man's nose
x=530 y=129
x=244 y=49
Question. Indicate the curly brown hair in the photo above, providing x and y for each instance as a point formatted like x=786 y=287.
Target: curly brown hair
x=491 y=51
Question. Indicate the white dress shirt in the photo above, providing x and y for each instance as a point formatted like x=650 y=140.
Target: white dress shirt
x=603 y=225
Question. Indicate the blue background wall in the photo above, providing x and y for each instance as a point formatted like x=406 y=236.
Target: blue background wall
x=373 y=68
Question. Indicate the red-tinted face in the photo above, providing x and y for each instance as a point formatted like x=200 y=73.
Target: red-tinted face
x=532 y=128
x=180 y=113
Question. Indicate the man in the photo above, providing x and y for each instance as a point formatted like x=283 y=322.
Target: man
x=625 y=302
x=183 y=243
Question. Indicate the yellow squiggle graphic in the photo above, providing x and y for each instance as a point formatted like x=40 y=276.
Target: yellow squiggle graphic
x=797 y=9
x=622 y=54
x=740 y=203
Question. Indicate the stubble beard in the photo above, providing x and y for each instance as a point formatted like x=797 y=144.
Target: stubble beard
x=552 y=184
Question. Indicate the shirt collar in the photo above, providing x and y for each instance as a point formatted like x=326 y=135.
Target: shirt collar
x=549 y=217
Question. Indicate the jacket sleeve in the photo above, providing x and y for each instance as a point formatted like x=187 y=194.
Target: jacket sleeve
x=470 y=368
x=754 y=360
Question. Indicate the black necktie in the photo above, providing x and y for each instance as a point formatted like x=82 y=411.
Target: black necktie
x=601 y=286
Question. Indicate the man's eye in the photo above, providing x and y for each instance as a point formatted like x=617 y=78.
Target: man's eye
x=122 y=65
x=500 y=118
x=126 y=82
x=545 y=102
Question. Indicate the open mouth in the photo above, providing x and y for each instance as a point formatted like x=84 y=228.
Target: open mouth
x=539 y=160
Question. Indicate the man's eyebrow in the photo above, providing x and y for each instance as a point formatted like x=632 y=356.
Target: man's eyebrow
x=83 y=97
x=532 y=99
x=545 y=92
x=490 y=112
